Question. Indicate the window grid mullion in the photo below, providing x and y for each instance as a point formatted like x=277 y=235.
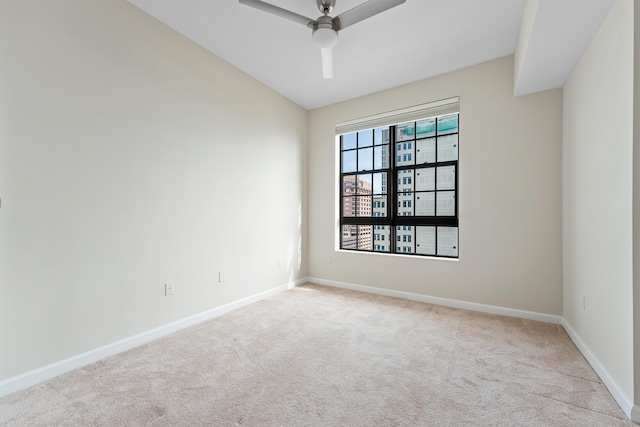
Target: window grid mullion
x=435 y=194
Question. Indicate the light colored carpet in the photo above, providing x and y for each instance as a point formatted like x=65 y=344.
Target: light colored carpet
x=318 y=356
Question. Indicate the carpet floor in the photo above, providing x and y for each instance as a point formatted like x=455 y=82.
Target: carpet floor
x=319 y=356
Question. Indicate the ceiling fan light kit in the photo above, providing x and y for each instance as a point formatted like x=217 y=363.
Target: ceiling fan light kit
x=325 y=37
x=325 y=28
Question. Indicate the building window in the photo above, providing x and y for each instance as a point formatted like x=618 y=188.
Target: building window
x=400 y=183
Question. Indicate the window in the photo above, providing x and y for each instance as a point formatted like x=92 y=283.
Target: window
x=399 y=182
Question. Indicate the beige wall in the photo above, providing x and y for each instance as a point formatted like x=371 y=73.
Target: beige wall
x=510 y=195
x=597 y=196
x=130 y=157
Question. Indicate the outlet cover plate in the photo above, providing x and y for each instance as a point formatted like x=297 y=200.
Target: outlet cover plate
x=168 y=289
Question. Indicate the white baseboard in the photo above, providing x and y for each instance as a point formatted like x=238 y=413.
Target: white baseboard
x=36 y=376
x=483 y=308
x=635 y=414
x=623 y=400
x=28 y=379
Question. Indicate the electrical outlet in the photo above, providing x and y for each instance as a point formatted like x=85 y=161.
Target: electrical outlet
x=329 y=259
x=168 y=289
x=584 y=302
x=221 y=276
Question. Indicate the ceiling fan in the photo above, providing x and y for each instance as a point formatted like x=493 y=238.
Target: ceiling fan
x=325 y=28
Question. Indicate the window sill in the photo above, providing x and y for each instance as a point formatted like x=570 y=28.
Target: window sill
x=404 y=256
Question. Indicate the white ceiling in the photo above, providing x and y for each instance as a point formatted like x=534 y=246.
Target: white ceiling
x=413 y=41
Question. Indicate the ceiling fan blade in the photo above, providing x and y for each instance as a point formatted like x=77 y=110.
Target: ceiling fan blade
x=275 y=10
x=363 y=11
x=327 y=62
